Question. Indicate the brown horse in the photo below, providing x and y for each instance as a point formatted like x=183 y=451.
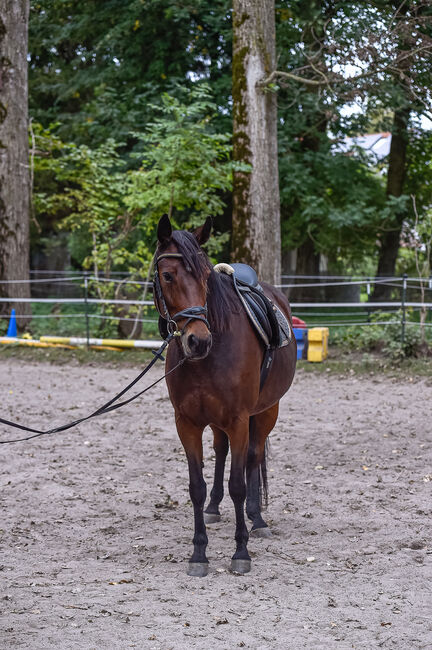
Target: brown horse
x=218 y=384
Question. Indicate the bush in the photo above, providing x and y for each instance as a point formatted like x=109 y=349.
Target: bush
x=384 y=334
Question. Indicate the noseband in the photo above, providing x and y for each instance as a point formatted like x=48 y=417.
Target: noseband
x=190 y=313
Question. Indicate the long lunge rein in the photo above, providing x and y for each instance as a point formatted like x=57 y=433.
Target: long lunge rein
x=190 y=313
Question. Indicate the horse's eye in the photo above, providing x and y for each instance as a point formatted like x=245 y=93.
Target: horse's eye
x=167 y=277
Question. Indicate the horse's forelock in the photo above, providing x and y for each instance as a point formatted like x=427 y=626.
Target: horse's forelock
x=193 y=255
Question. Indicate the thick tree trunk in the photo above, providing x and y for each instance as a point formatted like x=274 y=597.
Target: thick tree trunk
x=14 y=155
x=390 y=240
x=311 y=138
x=256 y=207
x=308 y=263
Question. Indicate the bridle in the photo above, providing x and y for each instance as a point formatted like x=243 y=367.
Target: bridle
x=190 y=313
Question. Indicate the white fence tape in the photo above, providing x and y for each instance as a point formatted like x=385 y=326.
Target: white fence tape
x=340 y=284
x=294 y=305
x=78 y=301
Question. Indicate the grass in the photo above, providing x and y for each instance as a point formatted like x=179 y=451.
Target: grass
x=351 y=363
x=69 y=320
x=315 y=317
x=338 y=363
x=79 y=356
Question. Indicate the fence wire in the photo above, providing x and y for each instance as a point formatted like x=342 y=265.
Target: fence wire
x=327 y=318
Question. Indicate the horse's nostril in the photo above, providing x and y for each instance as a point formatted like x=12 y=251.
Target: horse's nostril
x=193 y=342
x=198 y=347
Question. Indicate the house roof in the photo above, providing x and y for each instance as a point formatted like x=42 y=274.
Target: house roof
x=378 y=144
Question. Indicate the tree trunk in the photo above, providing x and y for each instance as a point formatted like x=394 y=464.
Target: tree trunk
x=390 y=240
x=14 y=155
x=308 y=263
x=256 y=236
x=311 y=138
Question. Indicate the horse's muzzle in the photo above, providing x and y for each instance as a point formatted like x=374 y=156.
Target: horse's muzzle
x=196 y=347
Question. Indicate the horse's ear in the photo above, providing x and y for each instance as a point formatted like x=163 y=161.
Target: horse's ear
x=164 y=230
x=203 y=232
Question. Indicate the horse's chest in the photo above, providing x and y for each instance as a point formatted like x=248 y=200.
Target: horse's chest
x=207 y=402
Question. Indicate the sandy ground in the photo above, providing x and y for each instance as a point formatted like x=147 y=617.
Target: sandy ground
x=96 y=523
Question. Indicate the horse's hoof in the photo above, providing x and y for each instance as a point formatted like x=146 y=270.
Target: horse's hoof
x=261 y=532
x=240 y=566
x=197 y=569
x=211 y=518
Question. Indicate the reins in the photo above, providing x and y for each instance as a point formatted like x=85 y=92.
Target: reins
x=105 y=408
x=190 y=313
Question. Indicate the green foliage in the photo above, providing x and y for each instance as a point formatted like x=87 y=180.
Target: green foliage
x=88 y=188
x=384 y=334
x=99 y=69
x=186 y=167
x=419 y=169
x=328 y=198
x=98 y=66
x=334 y=199
x=338 y=205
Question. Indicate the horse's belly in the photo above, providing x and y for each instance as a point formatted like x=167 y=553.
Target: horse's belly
x=279 y=379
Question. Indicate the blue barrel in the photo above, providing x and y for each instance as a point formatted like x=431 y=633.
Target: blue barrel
x=300 y=334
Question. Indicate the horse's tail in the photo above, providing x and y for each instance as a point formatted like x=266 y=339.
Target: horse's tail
x=262 y=469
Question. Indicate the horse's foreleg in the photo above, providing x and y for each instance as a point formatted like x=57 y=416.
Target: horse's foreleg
x=220 y=445
x=239 y=436
x=191 y=438
x=259 y=429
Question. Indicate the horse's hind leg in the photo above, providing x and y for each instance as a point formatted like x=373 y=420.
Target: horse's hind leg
x=256 y=471
x=191 y=438
x=220 y=445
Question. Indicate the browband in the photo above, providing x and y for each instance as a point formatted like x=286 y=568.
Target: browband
x=161 y=257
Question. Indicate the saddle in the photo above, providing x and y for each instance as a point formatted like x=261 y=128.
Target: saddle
x=270 y=324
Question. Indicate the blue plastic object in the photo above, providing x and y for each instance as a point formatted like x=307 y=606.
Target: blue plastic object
x=12 y=329
x=300 y=334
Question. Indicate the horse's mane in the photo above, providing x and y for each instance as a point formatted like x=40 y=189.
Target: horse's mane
x=221 y=301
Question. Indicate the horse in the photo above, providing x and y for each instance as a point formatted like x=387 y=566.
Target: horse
x=218 y=384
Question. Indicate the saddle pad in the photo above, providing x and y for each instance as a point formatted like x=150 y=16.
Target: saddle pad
x=268 y=320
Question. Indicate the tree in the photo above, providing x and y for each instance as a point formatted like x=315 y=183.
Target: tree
x=407 y=92
x=98 y=78
x=111 y=212
x=376 y=53
x=185 y=166
x=256 y=209
x=329 y=201
x=14 y=155
x=102 y=79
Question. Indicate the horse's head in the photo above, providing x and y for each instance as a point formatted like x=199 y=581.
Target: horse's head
x=182 y=270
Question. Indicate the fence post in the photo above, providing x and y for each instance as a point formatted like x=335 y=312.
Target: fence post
x=86 y=308
x=430 y=287
x=404 y=288
x=368 y=291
